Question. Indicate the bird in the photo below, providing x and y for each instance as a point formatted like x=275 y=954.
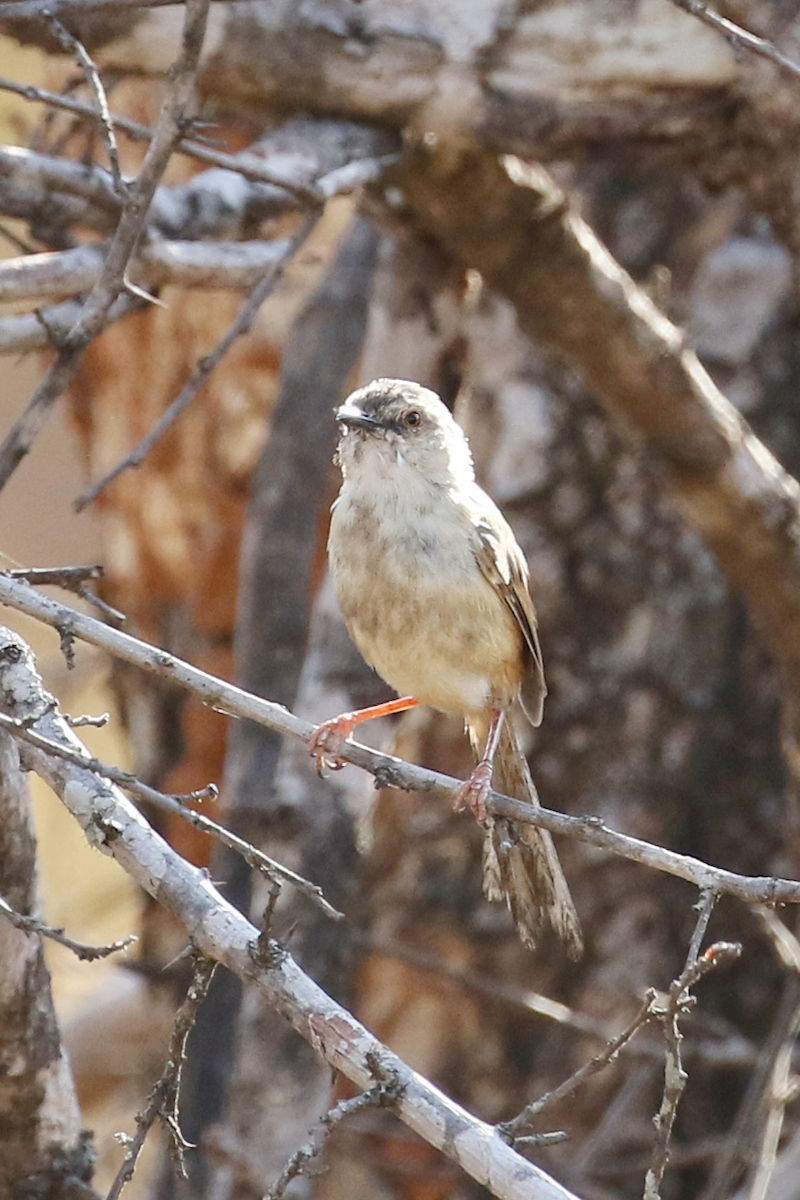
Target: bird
x=434 y=590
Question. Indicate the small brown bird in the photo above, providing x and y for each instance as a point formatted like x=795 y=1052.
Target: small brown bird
x=434 y=591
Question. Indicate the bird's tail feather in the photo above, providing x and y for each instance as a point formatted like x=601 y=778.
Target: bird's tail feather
x=520 y=864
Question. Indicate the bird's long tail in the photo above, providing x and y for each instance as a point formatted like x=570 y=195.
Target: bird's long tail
x=520 y=864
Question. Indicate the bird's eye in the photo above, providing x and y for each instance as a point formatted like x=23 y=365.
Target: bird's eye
x=413 y=417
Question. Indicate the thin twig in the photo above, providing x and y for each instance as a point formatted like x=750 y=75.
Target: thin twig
x=69 y=42
x=520 y=1124
x=739 y=38
x=163 y=1101
x=387 y=770
x=385 y=1092
x=176 y=806
x=679 y=1001
x=180 y=93
x=84 y=952
x=207 y=364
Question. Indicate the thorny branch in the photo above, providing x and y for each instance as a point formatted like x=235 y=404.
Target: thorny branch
x=164 y=1098
x=679 y=1001
x=388 y=771
x=83 y=951
x=240 y=326
x=180 y=93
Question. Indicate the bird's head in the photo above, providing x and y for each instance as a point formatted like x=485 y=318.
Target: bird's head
x=399 y=421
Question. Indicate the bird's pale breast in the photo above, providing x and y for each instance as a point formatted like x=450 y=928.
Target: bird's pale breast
x=416 y=602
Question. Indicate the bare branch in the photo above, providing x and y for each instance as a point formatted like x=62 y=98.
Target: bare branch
x=49 y=327
x=83 y=951
x=173 y=805
x=740 y=38
x=25 y=175
x=180 y=92
x=69 y=42
x=221 y=932
x=185 y=264
x=388 y=771
x=301 y=164
x=241 y=325
x=66 y=577
x=163 y=1101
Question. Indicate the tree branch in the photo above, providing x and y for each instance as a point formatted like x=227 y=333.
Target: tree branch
x=46 y=328
x=220 y=932
x=112 y=282
x=388 y=771
x=232 y=265
x=83 y=951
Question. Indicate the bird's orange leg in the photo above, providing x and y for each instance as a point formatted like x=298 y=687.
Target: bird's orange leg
x=326 y=744
x=475 y=790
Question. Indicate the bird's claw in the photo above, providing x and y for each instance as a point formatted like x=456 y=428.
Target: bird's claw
x=474 y=792
x=328 y=741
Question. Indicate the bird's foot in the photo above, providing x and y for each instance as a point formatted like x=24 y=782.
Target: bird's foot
x=328 y=742
x=474 y=792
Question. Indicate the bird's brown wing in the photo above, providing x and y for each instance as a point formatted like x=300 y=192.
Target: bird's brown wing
x=502 y=562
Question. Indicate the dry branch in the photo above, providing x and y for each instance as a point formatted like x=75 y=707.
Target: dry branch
x=174 y=805
x=47 y=328
x=82 y=950
x=69 y=42
x=388 y=771
x=221 y=932
x=185 y=264
x=302 y=164
x=163 y=1100
x=112 y=282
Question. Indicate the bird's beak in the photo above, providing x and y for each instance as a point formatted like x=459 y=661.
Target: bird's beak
x=354 y=418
